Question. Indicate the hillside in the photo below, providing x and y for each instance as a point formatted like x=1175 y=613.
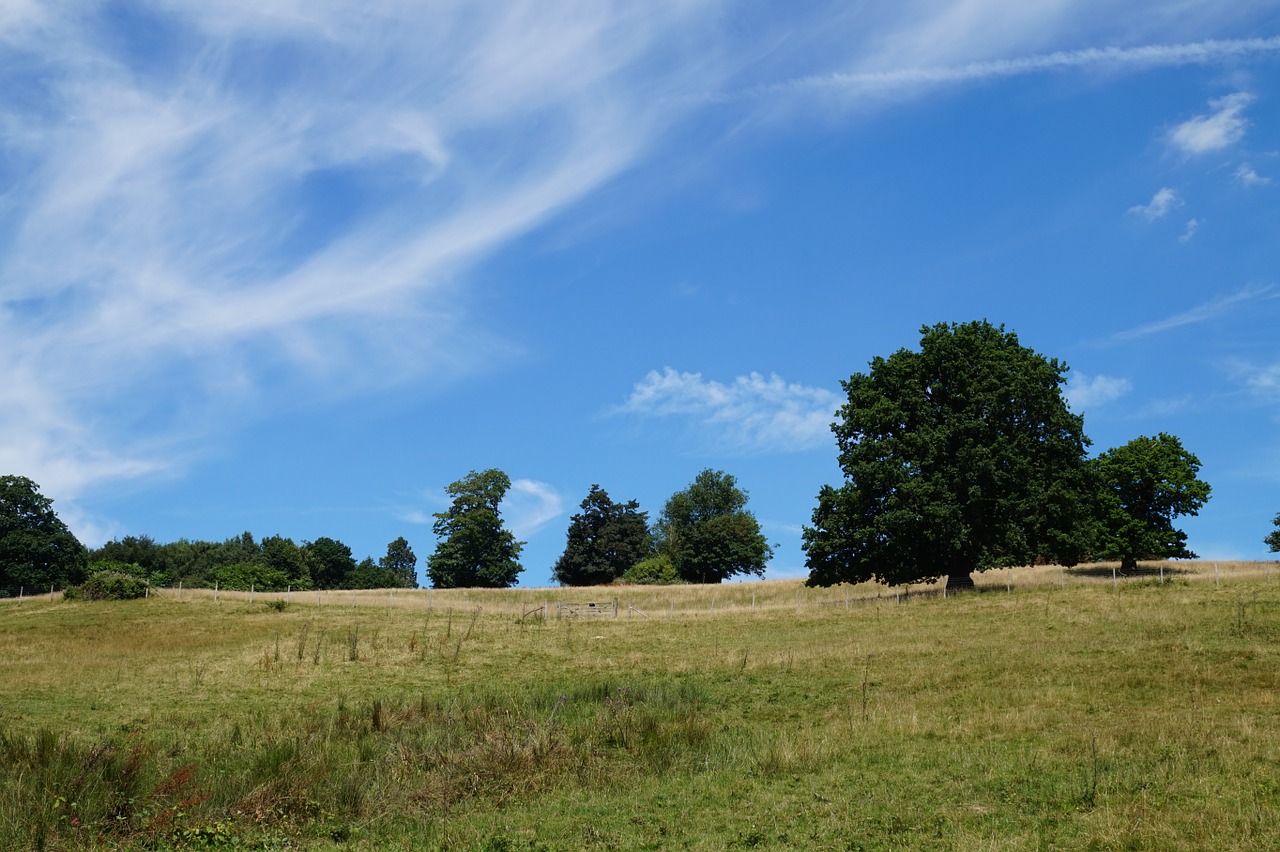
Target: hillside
x=1058 y=710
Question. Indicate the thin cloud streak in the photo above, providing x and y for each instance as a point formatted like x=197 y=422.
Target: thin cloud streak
x=1148 y=56
x=1201 y=313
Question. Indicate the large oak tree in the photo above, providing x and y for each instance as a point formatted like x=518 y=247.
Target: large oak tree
x=36 y=548
x=957 y=458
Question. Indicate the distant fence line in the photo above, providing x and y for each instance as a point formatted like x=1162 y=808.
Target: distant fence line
x=647 y=602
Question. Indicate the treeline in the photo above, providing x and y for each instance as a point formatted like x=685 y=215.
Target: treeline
x=273 y=564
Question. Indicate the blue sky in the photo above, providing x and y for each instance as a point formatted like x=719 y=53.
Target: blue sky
x=293 y=267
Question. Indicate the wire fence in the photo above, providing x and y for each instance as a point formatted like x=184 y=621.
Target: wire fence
x=689 y=601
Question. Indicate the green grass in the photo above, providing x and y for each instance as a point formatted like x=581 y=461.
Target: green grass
x=1143 y=716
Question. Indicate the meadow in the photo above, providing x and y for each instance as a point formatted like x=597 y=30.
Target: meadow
x=1050 y=709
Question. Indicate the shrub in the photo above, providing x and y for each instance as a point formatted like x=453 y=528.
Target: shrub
x=109 y=586
x=654 y=571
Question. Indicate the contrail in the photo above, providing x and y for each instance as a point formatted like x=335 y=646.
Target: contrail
x=1147 y=56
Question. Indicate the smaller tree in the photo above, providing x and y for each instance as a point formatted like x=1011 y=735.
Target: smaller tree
x=282 y=555
x=401 y=564
x=604 y=541
x=707 y=532
x=1143 y=486
x=1273 y=540
x=370 y=575
x=329 y=561
x=474 y=550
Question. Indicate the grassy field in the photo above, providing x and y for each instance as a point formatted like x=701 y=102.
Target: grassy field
x=1049 y=710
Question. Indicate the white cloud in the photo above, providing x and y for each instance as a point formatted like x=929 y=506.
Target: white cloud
x=1201 y=313
x=1085 y=392
x=1189 y=231
x=755 y=413
x=530 y=505
x=1248 y=177
x=1220 y=129
x=1161 y=203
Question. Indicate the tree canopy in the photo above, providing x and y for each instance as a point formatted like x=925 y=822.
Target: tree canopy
x=329 y=561
x=604 y=541
x=474 y=549
x=36 y=548
x=957 y=458
x=1142 y=487
x=1273 y=540
x=708 y=533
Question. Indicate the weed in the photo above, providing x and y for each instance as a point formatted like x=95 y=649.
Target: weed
x=353 y=644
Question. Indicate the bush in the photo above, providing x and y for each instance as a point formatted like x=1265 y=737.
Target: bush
x=654 y=571
x=108 y=586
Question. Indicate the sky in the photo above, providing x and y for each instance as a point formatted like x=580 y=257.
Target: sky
x=294 y=267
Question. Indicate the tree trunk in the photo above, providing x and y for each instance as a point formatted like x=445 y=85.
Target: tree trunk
x=959 y=581
x=1128 y=564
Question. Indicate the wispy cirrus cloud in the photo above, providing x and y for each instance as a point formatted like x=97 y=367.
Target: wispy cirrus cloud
x=1221 y=128
x=1161 y=204
x=754 y=413
x=1211 y=309
x=282 y=193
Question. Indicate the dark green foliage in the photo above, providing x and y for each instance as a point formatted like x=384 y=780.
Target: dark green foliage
x=474 y=550
x=154 y=559
x=280 y=554
x=369 y=575
x=1273 y=540
x=604 y=541
x=36 y=548
x=246 y=576
x=109 y=586
x=1143 y=486
x=401 y=564
x=957 y=458
x=707 y=532
x=329 y=562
